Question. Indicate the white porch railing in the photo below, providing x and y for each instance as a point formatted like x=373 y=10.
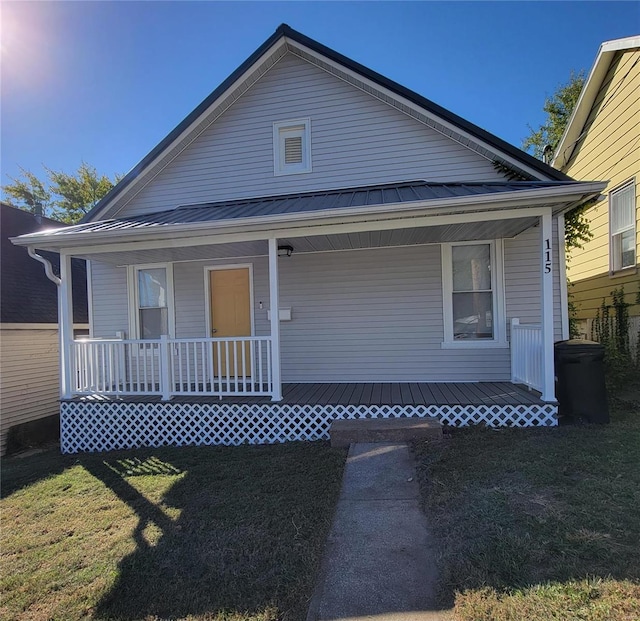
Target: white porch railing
x=527 y=357
x=168 y=367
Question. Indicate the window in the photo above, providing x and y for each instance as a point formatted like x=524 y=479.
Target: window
x=472 y=290
x=153 y=301
x=292 y=147
x=622 y=216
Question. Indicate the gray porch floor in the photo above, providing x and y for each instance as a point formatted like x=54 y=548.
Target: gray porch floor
x=414 y=393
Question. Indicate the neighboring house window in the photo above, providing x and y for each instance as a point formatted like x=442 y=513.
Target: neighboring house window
x=473 y=296
x=292 y=147
x=622 y=215
x=153 y=301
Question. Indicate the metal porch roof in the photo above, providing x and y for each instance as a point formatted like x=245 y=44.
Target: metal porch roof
x=389 y=194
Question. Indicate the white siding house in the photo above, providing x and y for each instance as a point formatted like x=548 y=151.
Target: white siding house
x=415 y=259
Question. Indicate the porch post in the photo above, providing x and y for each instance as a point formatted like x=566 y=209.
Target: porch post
x=546 y=265
x=564 y=290
x=274 y=305
x=65 y=326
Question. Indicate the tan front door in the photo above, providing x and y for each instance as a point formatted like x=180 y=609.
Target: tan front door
x=231 y=316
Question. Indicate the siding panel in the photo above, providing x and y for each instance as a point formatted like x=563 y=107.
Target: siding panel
x=369 y=315
x=29 y=382
x=109 y=299
x=609 y=149
x=522 y=278
x=356 y=140
x=364 y=315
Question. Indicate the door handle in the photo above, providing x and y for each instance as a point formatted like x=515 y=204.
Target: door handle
x=213 y=331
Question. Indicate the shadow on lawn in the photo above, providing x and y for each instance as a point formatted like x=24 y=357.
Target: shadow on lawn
x=515 y=508
x=19 y=471
x=240 y=544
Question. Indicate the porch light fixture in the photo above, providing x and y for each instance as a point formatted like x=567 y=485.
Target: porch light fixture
x=285 y=251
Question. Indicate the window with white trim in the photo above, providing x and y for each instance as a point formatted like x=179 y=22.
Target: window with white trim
x=152 y=297
x=622 y=219
x=292 y=147
x=473 y=298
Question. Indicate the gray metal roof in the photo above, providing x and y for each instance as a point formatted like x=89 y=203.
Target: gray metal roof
x=388 y=194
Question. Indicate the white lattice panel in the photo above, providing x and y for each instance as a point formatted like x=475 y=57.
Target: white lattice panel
x=112 y=425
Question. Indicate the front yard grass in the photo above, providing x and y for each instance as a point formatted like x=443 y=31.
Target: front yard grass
x=200 y=533
x=539 y=523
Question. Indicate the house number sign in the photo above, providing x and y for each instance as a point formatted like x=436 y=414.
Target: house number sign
x=547 y=256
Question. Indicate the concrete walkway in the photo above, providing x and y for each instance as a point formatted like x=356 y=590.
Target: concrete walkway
x=378 y=560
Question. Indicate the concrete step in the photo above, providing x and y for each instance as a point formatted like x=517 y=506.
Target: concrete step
x=345 y=432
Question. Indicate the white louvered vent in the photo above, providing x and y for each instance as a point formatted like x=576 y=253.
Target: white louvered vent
x=292 y=147
x=293 y=150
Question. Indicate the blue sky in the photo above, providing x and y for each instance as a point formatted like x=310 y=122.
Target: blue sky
x=104 y=82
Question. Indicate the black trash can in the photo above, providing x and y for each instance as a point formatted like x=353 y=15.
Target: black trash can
x=581 y=391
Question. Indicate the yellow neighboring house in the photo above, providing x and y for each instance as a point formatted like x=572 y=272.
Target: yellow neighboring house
x=602 y=141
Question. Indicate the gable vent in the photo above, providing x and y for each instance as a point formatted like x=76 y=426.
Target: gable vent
x=292 y=147
x=293 y=150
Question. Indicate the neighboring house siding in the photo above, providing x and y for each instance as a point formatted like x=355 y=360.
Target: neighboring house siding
x=363 y=315
x=356 y=140
x=29 y=382
x=609 y=149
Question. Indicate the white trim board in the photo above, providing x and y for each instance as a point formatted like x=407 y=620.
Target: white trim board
x=40 y=326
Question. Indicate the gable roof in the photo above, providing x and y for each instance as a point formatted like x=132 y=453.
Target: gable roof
x=26 y=294
x=588 y=95
x=284 y=40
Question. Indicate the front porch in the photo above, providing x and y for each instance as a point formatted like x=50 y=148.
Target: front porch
x=108 y=422
x=257 y=327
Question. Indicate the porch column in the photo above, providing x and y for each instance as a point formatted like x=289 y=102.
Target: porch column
x=546 y=301
x=274 y=305
x=65 y=326
x=564 y=290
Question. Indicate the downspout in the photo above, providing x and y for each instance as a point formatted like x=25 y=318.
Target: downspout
x=62 y=309
x=48 y=269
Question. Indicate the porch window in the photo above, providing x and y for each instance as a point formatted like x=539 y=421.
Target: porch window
x=472 y=293
x=292 y=147
x=623 y=227
x=153 y=301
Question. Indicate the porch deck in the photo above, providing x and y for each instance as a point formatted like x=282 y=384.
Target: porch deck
x=367 y=394
x=106 y=422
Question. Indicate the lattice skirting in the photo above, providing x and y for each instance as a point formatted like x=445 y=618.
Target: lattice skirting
x=108 y=426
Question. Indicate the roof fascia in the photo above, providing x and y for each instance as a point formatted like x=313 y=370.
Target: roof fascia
x=590 y=90
x=565 y=194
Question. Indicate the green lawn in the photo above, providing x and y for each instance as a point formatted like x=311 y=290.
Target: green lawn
x=540 y=523
x=199 y=533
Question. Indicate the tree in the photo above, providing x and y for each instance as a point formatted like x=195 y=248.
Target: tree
x=65 y=197
x=29 y=192
x=558 y=108
x=545 y=140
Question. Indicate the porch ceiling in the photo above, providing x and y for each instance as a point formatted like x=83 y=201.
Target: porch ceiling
x=469 y=231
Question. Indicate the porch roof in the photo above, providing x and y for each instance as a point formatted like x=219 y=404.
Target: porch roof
x=264 y=217
x=388 y=194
